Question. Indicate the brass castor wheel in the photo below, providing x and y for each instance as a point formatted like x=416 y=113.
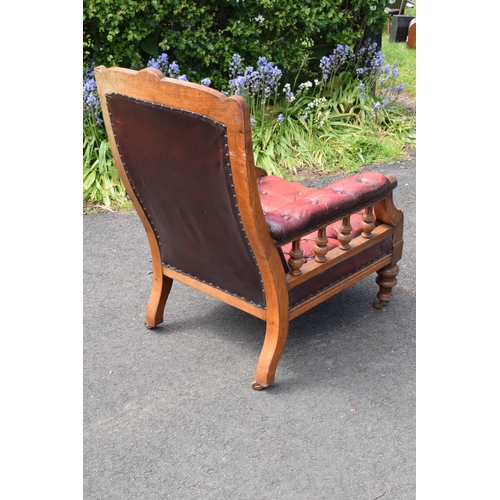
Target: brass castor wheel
x=257 y=387
x=378 y=304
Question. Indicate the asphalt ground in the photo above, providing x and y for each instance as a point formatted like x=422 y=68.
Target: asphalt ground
x=170 y=414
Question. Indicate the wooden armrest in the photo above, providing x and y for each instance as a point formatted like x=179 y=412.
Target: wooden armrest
x=323 y=206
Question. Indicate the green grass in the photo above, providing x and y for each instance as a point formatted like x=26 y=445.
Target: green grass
x=396 y=52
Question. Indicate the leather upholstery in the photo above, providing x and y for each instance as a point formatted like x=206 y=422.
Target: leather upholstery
x=178 y=165
x=289 y=206
x=310 y=209
x=159 y=142
x=275 y=193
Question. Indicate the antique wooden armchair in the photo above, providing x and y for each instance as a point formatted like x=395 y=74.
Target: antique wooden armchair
x=214 y=221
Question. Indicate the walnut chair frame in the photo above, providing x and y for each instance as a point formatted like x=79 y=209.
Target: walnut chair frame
x=221 y=225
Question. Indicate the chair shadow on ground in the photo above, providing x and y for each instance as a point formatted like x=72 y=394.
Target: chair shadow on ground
x=343 y=337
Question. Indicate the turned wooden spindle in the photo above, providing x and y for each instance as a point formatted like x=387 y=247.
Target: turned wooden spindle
x=345 y=233
x=368 y=224
x=320 y=248
x=296 y=258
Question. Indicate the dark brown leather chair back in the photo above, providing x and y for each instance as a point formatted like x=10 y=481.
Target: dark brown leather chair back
x=177 y=163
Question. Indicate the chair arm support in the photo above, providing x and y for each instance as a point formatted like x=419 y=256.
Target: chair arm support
x=326 y=205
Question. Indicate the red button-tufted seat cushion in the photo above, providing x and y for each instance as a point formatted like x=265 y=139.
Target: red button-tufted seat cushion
x=290 y=207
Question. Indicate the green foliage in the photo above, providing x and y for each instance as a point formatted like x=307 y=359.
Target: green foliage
x=326 y=141
x=101 y=182
x=202 y=36
x=407 y=59
x=346 y=118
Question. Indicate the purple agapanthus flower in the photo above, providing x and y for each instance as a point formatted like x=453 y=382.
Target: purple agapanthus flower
x=162 y=63
x=235 y=65
x=259 y=81
x=173 y=69
x=238 y=84
x=91 y=103
x=337 y=60
x=377 y=61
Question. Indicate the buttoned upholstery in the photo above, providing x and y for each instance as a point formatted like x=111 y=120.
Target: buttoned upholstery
x=290 y=208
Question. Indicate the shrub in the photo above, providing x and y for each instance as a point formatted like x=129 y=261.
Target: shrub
x=341 y=120
x=202 y=36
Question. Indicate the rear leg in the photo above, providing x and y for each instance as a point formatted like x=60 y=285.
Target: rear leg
x=159 y=294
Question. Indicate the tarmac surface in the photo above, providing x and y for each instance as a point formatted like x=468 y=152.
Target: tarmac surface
x=170 y=413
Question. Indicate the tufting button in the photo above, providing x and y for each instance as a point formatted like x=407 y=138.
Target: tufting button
x=285 y=216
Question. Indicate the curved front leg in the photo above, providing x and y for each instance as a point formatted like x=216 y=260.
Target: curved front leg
x=274 y=343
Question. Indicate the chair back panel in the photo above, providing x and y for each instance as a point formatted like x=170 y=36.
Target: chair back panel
x=178 y=165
